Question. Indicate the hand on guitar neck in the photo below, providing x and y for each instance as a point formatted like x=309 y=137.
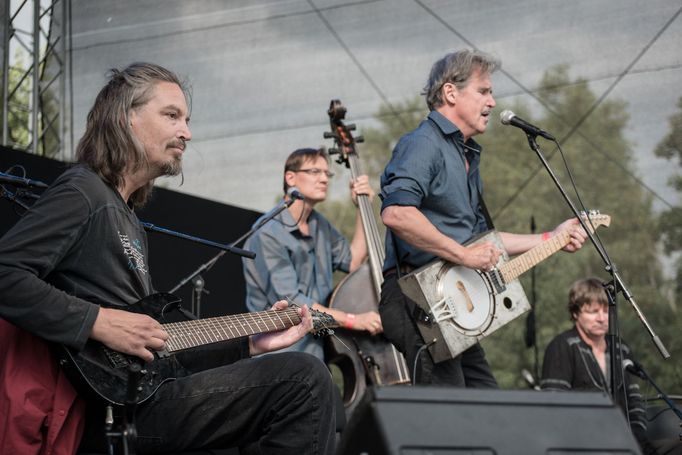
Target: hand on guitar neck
x=369 y=321
x=520 y=243
x=576 y=232
x=272 y=341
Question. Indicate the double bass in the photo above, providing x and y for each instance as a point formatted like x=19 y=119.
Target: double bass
x=363 y=359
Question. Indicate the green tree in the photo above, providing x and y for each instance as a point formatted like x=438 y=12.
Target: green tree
x=670 y=224
x=598 y=153
x=19 y=109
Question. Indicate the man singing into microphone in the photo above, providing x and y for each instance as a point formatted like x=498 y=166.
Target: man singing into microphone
x=431 y=202
x=298 y=251
x=577 y=359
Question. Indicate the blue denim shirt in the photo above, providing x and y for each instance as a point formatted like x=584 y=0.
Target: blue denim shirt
x=289 y=264
x=428 y=171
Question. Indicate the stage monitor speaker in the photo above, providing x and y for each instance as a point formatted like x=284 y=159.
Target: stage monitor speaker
x=403 y=420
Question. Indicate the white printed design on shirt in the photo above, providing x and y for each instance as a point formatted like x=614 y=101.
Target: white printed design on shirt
x=133 y=250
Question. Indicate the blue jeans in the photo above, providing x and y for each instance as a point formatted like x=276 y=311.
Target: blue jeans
x=274 y=404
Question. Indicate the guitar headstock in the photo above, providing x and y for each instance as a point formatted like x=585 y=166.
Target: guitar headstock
x=323 y=323
x=344 y=142
x=593 y=219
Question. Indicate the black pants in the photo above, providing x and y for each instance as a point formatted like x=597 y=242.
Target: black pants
x=469 y=369
x=274 y=404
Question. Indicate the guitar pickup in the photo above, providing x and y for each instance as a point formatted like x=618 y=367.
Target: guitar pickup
x=496 y=281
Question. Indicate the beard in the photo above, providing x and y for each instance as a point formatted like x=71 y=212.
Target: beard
x=171 y=168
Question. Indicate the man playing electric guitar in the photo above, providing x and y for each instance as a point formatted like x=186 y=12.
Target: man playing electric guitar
x=72 y=264
x=430 y=194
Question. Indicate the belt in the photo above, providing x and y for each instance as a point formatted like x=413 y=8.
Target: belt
x=404 y=269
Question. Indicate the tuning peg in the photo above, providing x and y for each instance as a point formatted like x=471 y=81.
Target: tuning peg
x=332 y=151
x=350 y=127
x=359 y=139
x=328 y=135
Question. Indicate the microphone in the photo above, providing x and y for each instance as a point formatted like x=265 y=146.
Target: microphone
x=509 y=118
x=20 y=181
x=633 y=367
x=293 y=193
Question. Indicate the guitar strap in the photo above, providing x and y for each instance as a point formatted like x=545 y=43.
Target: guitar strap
x=484 y=209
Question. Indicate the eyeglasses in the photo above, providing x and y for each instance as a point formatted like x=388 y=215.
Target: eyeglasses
x=315 y=172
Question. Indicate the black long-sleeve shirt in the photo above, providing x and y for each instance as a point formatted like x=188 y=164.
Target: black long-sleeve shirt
x=570 y=364
x=79 y=246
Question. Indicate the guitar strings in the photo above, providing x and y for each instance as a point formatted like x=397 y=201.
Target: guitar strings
x=330 y=330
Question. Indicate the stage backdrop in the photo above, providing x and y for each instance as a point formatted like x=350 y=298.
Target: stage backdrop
x=170 y=259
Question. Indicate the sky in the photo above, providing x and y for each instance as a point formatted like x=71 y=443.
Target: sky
x=263 y=72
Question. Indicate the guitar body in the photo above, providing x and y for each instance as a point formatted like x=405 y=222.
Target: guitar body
x=462 y=305
x=105 y=371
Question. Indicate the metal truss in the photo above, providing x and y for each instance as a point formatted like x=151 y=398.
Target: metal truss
x=34 y=76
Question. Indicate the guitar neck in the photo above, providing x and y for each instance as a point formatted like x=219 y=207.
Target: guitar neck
x=514 y=268
x=199 y=332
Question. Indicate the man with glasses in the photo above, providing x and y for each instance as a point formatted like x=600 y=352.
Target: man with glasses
x=298 y=251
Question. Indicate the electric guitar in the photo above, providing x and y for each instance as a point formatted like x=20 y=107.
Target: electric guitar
x=462 y=306
x=106 y=371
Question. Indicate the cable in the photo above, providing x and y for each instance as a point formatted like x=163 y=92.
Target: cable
x=175 y=32
x=549 y=108
x=416 y=359
x=357 y=63
x=591 y=110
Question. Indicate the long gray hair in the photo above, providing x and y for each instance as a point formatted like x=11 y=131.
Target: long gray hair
x=109 y=146
x=456 y=68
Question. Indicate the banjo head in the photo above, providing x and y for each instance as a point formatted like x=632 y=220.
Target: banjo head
x=467 y=299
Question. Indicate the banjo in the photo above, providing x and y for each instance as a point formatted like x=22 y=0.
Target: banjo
x=461 y=306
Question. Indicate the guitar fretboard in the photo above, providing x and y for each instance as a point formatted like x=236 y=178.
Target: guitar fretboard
x=514 y=268
x=190 y=334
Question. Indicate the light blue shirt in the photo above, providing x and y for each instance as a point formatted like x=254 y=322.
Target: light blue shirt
x=289 y=264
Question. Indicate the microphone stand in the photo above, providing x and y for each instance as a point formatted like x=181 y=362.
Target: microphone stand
x=127 y=432
x=641 y=372
x=195 y=275
x=531 y=321
x=17 y=195
x=199 y=286
x=612 y=288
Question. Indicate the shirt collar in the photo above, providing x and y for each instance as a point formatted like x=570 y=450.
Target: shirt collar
x=290 y=224
x=450 y=129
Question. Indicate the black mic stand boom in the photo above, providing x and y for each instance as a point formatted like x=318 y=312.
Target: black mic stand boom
x=195 y=275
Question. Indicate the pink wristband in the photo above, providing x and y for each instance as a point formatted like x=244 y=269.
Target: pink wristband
x=546 y=236
x=350 y=321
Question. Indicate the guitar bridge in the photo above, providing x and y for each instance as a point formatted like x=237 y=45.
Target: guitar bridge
x=116 y=359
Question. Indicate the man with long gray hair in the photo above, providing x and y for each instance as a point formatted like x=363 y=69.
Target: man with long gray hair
x=74 y=263
x=431 y=203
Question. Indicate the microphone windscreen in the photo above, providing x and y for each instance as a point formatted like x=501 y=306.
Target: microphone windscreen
x=293 y=193
x=506 y=116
